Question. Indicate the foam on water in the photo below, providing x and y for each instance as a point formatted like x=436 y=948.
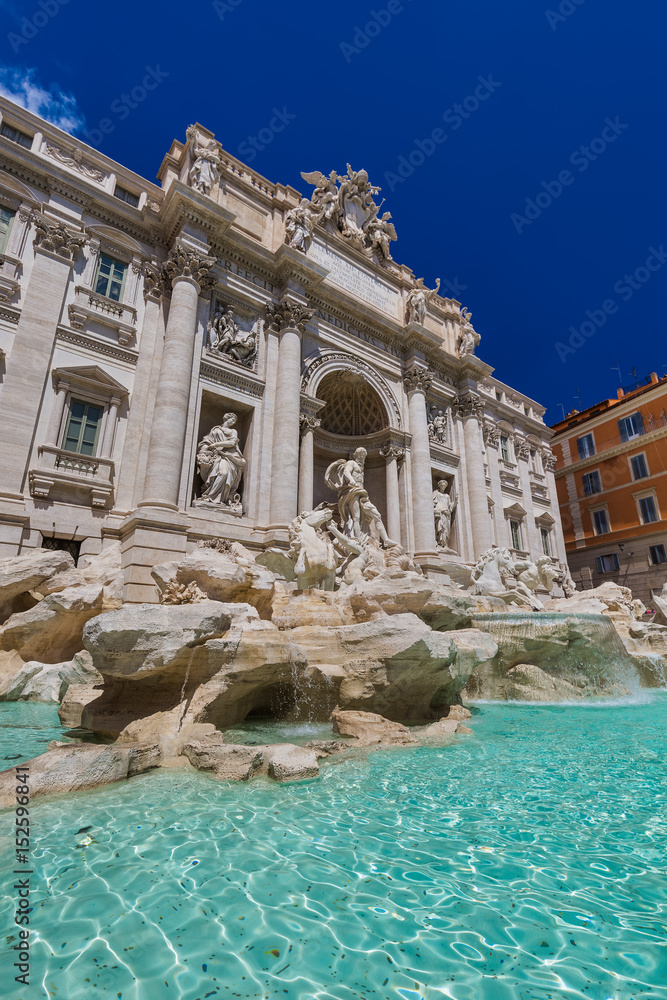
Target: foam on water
x=526 y=861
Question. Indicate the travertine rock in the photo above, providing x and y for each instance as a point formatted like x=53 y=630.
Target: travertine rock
x=582 y=649
x=52 y=630
x=445 y=727
x=228 y=762
x=607 y=599
x=459 y=712
x=103 y=569
x=286 y=762
x=37 y=681
x=526 y=682
x=78 y=766
x=222 y=577
x=368 y=727
x=74 y=701
x=326 y=748
x=21 y=574
x=396 y=593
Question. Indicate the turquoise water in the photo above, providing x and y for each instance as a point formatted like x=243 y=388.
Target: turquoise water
x=26 y=729
x=526 y=861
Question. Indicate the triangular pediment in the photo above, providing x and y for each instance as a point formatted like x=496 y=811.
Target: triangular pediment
x=516 y=510
x=545 y=520
x=91 y=374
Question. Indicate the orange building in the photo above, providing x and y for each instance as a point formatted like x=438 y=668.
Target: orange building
x=611 y=476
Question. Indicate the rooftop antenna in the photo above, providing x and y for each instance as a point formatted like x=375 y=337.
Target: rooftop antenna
x=578 y=395
x=563 y=408
x=617 y=368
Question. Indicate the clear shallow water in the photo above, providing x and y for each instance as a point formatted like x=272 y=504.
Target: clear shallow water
x=26 y=729
x=527 y=861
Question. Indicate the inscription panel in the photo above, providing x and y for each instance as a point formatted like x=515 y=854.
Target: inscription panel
x=353 y=279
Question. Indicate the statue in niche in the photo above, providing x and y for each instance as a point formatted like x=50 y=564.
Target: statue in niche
x=205 y=171
x=437 y=425
x=443 y=508
x=355 y=510
x=469 y=338
x=418 y=300
x=226 y=337
x=299 y=227
x=221 y=465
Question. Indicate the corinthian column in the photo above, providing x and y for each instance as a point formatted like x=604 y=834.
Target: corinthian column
x=187 y=272
x=471 y=409
x=288 y=318
x=306 y=465
x=392 y=455
x=417 y=380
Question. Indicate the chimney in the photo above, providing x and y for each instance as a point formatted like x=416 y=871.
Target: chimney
x=620 y=393
x=654 y=377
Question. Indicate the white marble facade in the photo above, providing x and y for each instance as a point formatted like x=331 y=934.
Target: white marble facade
x=186 y=360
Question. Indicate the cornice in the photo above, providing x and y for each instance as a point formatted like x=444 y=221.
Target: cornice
x=619 y=449
x=97 y=345
x=241 y=381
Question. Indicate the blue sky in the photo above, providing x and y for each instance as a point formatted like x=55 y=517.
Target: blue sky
x=538 y=201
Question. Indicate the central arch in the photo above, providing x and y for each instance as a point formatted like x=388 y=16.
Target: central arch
x=353 y=407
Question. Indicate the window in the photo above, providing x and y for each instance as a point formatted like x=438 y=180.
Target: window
x=110 y=277
x=63 y=545
x=515 y=529
x=546 y=545
x=648 y=510
x=83 y=428
x=6 y=219
x=15 y=136
x=657 y=554
x=586 y=446
x=505 y=448
x=125 y=195
x=639 y=467
x=631 y=427
x=600 y=522
x=607 y=564
x=591 y=483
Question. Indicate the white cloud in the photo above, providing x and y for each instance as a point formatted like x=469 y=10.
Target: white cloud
x=21 y=87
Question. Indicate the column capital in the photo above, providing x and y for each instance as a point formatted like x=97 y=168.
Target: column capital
x=491 y=433
x=287 y=315
x=468 y=404
x=156 y=283
x=187 y=262
x=417 y=379
x=392 y=451
x=308 y=422
x=57 y=239
x=521 y=447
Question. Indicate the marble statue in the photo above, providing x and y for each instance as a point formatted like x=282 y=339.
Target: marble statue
x=311 y=550
x=565 y=581
x=418 y=300
x=345 y=204
x=221 y=465
x=437 y=425
x=205 y=171
x=226 y=337
x=531 y=576
x=469 y=338
x=356 y=512
x=354 y=556
x=299 y=227
x=443 y=508
x=380 y=233
x=490 y=573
